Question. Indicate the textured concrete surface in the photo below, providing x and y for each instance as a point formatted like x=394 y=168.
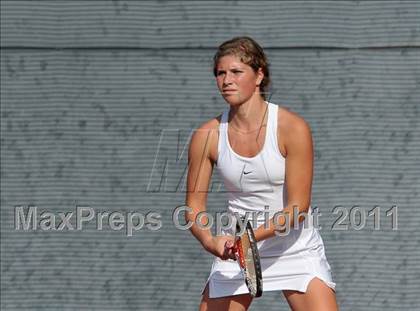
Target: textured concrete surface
x=97 y=103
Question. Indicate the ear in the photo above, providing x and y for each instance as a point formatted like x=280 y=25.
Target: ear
x=260 y=76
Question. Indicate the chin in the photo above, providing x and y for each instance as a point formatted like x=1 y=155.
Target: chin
x=234 y=100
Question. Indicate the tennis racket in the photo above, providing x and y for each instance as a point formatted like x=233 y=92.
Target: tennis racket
x=247 y=256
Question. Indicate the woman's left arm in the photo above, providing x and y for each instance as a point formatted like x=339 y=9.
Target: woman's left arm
x=298 y=177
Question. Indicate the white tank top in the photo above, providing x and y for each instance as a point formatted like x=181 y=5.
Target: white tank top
x=257 y=184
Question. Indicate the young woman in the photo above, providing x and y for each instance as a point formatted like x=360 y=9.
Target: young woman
x=265 y=157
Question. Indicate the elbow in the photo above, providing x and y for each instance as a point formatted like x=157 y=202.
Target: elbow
x=299 y=210
x=300 y=207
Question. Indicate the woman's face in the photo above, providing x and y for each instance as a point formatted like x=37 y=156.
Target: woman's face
x=237 y=82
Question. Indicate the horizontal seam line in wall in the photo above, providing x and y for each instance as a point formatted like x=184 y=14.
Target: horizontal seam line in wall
x=208 y=48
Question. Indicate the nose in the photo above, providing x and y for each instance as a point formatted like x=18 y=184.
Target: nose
x=227 y=79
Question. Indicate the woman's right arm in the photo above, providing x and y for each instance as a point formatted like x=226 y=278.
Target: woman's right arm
x=200 y=168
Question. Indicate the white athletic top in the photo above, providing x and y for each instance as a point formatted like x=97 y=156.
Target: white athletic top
x=257 y=184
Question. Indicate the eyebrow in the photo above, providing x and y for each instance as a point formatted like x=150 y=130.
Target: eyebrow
x=234 y=68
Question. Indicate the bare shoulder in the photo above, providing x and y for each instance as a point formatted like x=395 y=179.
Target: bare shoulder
x=292 y=128
x=291 y=120
x=212 y=124
x=207 y=129
x=205 y=138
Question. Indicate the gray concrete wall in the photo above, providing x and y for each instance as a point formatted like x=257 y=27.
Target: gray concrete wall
x=97 y=102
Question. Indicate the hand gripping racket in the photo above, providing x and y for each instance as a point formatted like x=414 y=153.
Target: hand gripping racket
x=247 y=256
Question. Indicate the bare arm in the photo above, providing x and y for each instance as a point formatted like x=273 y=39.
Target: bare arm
x=299 y=172
x=200 y=168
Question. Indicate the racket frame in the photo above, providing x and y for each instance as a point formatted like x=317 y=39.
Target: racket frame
x=255 y=256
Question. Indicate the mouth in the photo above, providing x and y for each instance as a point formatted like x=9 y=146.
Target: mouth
x=227 y=91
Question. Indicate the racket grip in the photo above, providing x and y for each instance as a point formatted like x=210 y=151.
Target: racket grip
x=239 y=253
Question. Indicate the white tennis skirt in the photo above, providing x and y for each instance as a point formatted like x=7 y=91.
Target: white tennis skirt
x=290 y=271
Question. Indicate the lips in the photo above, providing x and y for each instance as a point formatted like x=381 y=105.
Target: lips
x=230 y=91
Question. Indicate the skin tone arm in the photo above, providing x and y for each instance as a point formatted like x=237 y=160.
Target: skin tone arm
x=299 y=172
x=200 y=168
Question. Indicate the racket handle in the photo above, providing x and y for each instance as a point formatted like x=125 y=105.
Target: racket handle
x=239 y=254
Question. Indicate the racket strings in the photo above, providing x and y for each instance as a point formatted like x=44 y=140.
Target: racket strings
x=248 y=264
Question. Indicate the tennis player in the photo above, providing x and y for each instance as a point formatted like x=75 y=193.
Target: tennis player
x=264 y=155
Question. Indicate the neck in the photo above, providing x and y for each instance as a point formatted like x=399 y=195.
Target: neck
x=248 y=116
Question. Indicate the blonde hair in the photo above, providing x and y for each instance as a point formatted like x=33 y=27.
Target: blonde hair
x=250 y=53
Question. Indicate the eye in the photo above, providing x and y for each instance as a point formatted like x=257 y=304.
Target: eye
x=236 y=71
x=219 y=73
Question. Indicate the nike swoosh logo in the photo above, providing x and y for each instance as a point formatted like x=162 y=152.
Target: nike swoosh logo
x=246 y=173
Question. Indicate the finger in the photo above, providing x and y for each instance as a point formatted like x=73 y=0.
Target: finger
x=227 y=252
x=230 y=254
